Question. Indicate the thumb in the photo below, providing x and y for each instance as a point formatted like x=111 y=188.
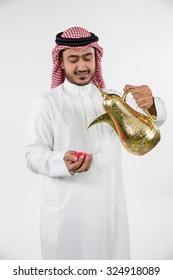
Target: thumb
x=127 y=87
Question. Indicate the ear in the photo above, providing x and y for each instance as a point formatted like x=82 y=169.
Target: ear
x=61 y=63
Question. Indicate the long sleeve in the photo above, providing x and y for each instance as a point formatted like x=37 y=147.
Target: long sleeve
x=40 y=156
x=161 y=111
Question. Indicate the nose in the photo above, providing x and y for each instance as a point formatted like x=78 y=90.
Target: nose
x=81 y=65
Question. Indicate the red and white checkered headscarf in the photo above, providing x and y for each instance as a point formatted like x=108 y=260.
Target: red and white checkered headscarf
x=58 y=75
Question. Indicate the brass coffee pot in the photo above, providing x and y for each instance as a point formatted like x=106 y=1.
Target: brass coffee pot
x=137 y=132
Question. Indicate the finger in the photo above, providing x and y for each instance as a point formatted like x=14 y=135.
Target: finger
x=143 y=101
x=144 y=104
x=143 y=95
x=128 y=86
x=69 y=156
x=86 y=164
x=137 y=89
x=75 y=165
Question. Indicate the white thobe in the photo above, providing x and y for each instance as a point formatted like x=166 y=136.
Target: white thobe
x=83 y=216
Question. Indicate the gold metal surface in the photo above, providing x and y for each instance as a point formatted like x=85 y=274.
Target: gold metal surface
x=137 y=132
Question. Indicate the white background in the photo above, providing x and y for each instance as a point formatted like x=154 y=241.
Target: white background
x=137 y=37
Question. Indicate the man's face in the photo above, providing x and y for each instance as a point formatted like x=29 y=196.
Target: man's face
x=79 y=66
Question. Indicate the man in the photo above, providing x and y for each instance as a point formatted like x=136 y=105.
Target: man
x=84 y=210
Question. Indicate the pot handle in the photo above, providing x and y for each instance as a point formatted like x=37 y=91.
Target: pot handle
x=152 y=117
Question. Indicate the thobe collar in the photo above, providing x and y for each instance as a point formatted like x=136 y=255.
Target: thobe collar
x=77 y=89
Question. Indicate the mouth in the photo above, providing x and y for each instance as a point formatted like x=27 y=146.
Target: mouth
x=82 y=75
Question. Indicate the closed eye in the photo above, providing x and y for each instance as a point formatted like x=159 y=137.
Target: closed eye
x=73 y=58
x=88 y=56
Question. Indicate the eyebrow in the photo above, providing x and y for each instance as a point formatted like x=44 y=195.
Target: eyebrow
x=74 y=56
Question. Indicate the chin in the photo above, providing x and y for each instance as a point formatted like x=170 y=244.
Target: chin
x=80 y=82
x=83 y=82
